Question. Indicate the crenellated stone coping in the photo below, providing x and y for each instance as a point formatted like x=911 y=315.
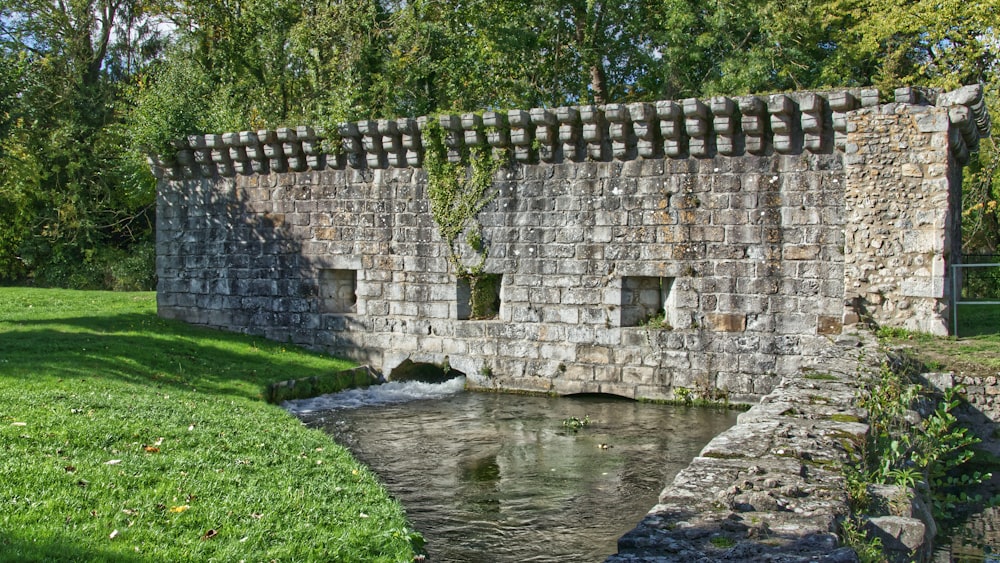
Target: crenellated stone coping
x=814 y=122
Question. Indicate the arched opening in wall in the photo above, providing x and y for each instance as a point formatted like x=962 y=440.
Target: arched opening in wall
x=426 y=372
x=646 y=301
x=478 y=297
x=338 y=291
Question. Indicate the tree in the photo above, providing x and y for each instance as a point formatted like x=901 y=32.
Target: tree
x=78 y=195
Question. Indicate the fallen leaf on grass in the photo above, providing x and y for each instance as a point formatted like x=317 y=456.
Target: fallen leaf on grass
x=130 y=512
x=159 y=442
x=18 y=423
x=151 y=449
x=209 y=535
x=363 y=515
x=69 y=469
x=257 y=515
x=113 y=534
x=180 y=508
x=112 y=462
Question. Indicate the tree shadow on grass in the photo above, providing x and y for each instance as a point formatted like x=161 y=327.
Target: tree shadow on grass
x=144 y=349
x=13 y=548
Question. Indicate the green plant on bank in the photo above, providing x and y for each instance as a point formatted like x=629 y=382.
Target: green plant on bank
x=683 y=394
x=897 y=333
x=458 y=191
x=574 y=424
x=127 y=437
x=932 y=454
x=869 y=550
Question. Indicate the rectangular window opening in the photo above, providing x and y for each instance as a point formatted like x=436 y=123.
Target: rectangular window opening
x=338 y=291
x=645 y=301
x=478 y=297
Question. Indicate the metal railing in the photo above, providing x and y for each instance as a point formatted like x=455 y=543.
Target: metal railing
x=976 y=281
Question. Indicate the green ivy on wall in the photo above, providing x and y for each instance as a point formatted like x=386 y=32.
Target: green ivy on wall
x=458 y=191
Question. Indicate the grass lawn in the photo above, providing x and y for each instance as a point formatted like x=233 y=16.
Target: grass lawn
x=125 y=437
x=975 y=352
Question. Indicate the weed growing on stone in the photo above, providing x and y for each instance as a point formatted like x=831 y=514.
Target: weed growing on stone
x=722 y=542
x=656 y=322
x=820 y=377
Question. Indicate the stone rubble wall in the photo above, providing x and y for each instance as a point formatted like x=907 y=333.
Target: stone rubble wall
x=983 y=393
x=728 y=215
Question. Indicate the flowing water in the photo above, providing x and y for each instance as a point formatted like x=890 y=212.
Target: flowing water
x=500 y=478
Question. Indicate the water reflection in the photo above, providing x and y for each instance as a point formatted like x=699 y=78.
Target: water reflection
x=489 y=477
x=976 y=541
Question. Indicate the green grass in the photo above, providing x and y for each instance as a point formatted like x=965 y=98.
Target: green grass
x=125 y=437
x=975 y=352
x=978 y=320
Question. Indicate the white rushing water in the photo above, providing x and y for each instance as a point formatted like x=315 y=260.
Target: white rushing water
x=386 y=394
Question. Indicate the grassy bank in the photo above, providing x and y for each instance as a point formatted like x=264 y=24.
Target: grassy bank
x=975 y=352
x=125 y=437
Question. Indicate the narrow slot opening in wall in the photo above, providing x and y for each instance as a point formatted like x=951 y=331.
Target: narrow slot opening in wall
x=645 y=300
x=338 y=291
x=478 y=297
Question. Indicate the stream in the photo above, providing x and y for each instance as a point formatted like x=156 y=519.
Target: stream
x=505 y=478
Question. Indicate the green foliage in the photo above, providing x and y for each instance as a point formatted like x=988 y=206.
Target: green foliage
x=869 y=550
x=574 y=424
x=943 y=43
x=69 y=188
x=897 y=333
x=748 y=47
x=722 y=542
x=933 y=453
x=484 y=299
x=171 y=101
x=458 y=192
x=656 y=322
x=88 y=87
x=821 y=377
x=683 y=394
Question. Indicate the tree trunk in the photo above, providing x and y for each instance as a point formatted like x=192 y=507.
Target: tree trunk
x=598 y=83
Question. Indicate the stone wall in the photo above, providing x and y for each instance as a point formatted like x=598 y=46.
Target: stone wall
x=725 y=217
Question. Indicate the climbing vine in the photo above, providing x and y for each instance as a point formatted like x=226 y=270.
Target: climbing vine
x=458 y=191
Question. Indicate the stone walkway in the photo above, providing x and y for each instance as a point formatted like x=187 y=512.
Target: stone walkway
x=767 y=489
